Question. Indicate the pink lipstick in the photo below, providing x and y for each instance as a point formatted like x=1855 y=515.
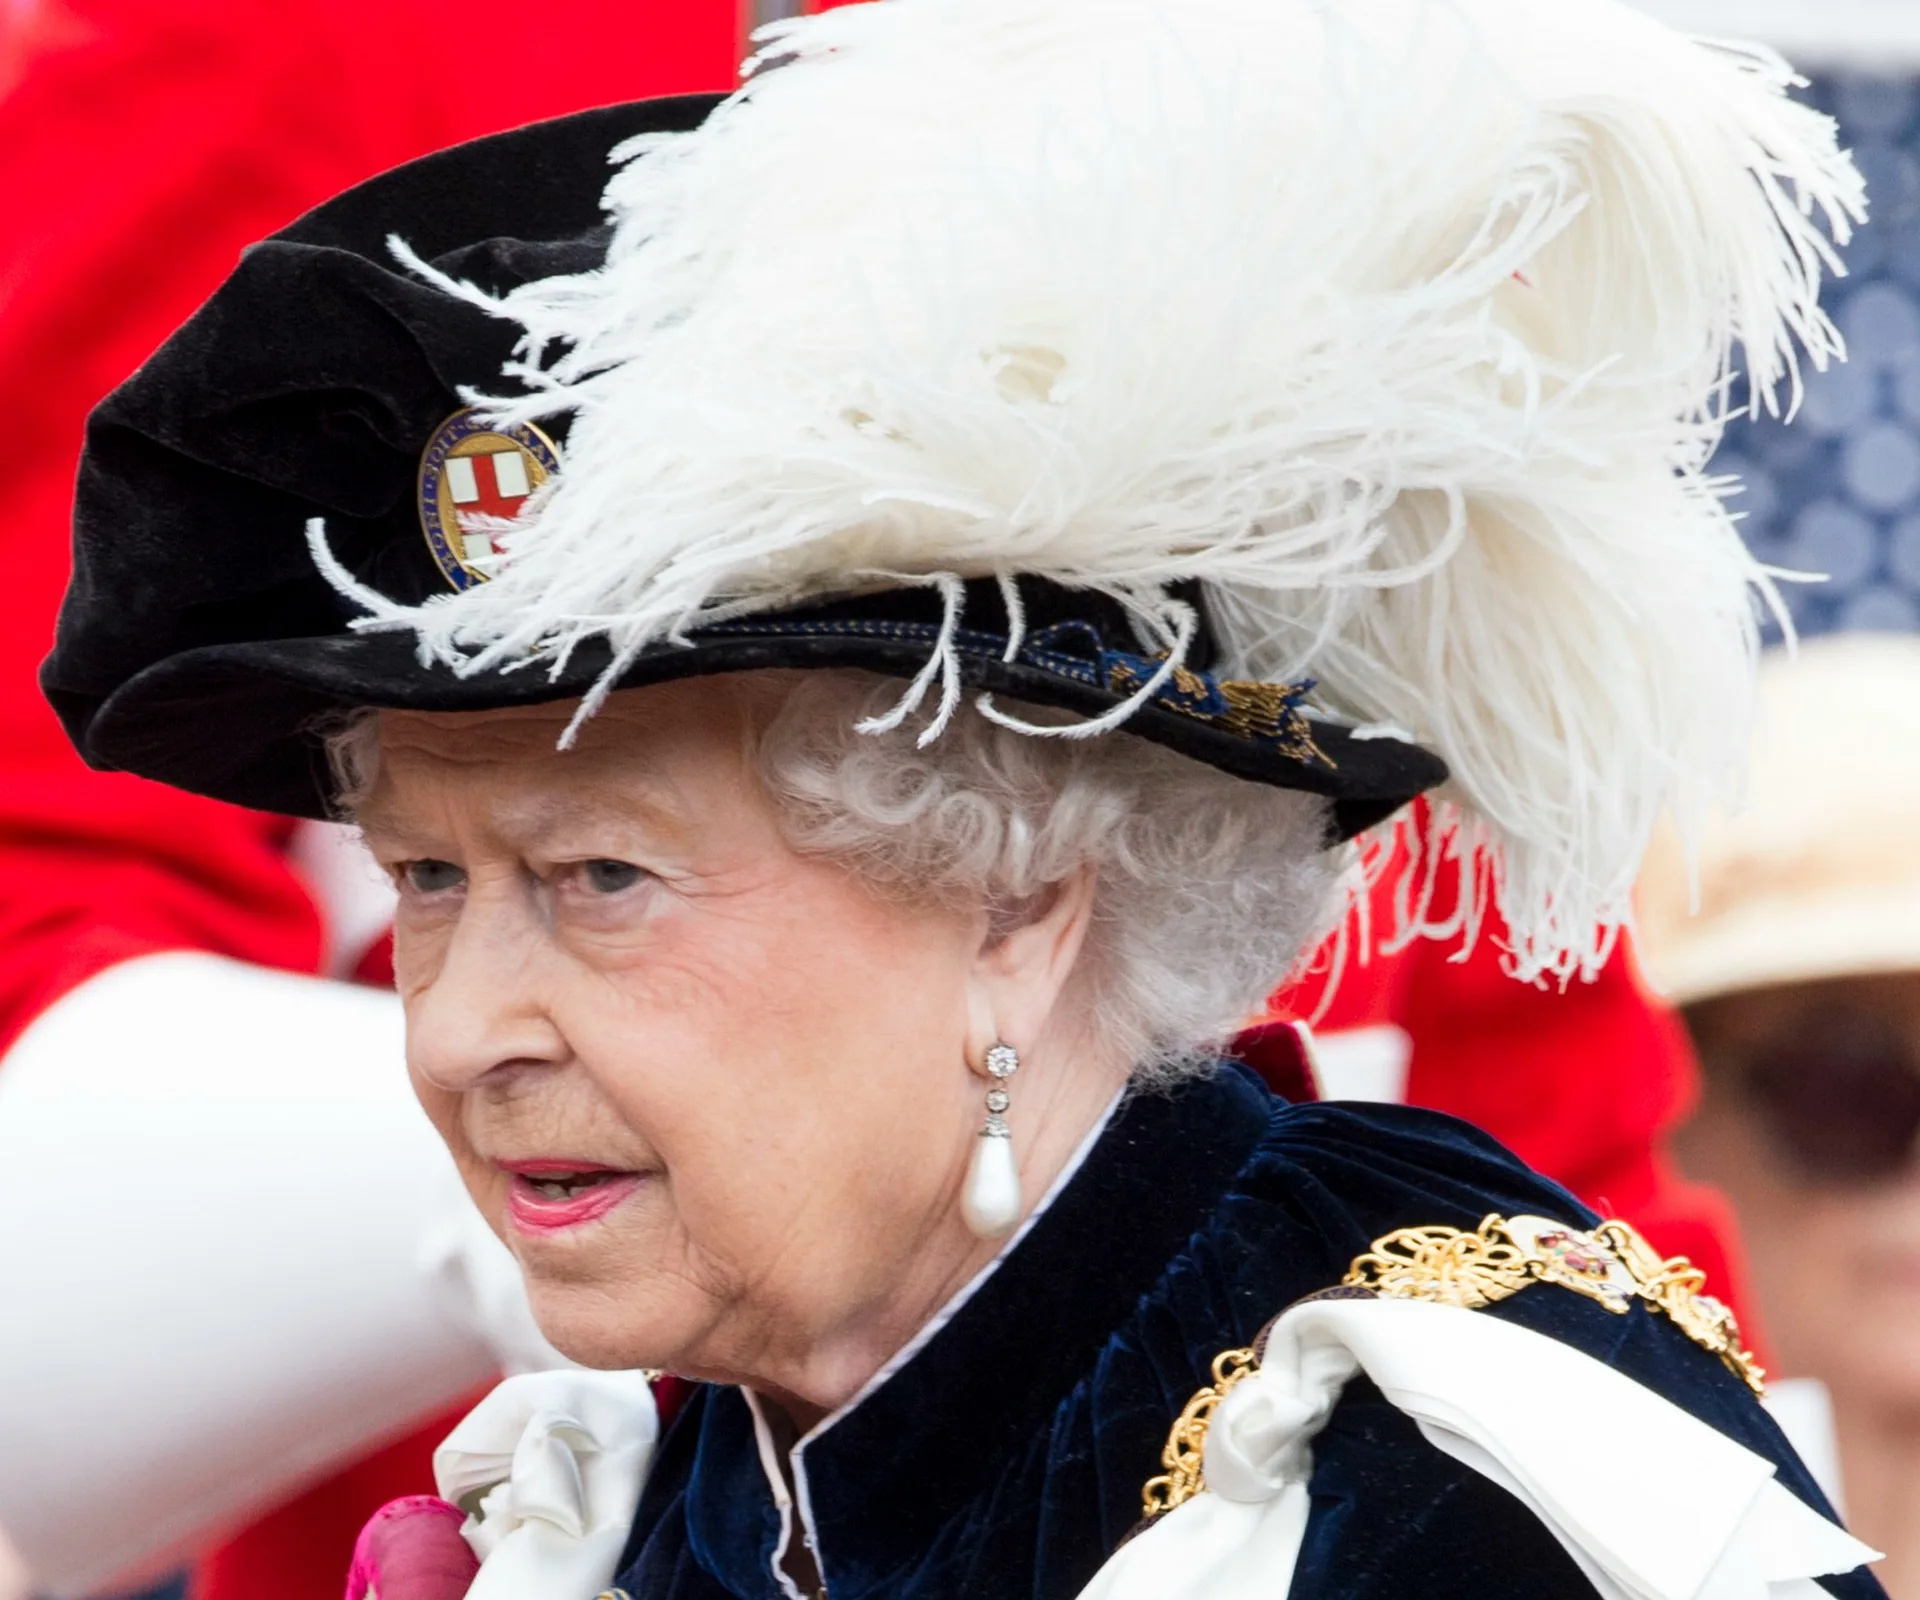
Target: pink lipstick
x=549 y=1197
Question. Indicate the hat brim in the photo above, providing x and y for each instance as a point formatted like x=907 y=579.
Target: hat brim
x=245 y=722
x=1827 y=931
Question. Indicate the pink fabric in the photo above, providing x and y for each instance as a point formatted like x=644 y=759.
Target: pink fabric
x=412 y=1550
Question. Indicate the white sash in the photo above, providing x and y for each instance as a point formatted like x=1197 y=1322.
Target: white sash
x=1652 y=1503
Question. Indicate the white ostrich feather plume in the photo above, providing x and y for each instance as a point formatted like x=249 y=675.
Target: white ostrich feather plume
x=1406 y=326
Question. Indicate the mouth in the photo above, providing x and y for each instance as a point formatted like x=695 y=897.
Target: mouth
x=547 y=1197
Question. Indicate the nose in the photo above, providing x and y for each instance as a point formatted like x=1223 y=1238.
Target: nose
x=485 y=1007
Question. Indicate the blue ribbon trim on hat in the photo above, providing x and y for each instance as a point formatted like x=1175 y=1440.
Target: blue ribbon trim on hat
x=1270 y=714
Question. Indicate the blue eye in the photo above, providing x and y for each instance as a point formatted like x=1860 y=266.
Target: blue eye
x=433 y=877
x=609 y=877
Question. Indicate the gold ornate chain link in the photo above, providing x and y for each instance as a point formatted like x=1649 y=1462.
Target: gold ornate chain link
x=1445 y=1265
x=1612 y=1264
x=1186 y=1444
x=1678 y=1287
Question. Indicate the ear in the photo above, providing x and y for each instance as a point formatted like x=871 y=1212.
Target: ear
x=1018 y=976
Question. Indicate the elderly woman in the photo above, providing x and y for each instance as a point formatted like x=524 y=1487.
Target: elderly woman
x=844 y=799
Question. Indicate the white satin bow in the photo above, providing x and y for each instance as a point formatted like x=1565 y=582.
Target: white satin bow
x=1652 y=1503
x=549 y=1468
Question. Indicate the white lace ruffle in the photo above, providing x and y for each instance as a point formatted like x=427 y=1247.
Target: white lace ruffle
x=549 y=1468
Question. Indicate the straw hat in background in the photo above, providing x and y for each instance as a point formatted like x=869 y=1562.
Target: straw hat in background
x=1818 y=876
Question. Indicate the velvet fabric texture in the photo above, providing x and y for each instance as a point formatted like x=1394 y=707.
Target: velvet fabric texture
x=1004 y=1459
x=200 y=645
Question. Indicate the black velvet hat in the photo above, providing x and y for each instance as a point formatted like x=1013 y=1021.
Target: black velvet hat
x=201 y=645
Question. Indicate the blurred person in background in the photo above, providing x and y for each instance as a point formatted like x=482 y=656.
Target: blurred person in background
x=1807 y=1120
x=1799 y=980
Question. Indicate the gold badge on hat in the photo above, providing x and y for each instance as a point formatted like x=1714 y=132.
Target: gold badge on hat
x=474 y=476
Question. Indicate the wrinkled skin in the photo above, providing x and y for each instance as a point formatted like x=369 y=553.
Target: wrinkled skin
x=610 y=955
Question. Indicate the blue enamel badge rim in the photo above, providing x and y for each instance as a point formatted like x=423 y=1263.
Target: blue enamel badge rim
x=540 y=453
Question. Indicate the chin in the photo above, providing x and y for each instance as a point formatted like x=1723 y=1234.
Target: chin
x=587 y=1324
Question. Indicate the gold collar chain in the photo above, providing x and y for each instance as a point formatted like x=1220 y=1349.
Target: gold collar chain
x=1612 y=1264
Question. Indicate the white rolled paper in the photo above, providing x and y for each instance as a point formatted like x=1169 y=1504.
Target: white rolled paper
x=234 y=1255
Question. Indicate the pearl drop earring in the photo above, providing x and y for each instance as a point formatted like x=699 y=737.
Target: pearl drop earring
x=990 y=1203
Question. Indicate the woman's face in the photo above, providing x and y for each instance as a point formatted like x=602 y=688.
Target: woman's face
x=714 y=1095
x=1808 y=1125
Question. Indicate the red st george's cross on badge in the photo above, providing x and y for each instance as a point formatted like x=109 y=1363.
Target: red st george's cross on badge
x=475 y=474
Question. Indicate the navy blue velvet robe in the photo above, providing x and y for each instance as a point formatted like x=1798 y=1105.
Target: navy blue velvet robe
x=1004 y=1460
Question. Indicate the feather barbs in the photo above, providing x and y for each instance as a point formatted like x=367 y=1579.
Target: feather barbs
x=1404 y=328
